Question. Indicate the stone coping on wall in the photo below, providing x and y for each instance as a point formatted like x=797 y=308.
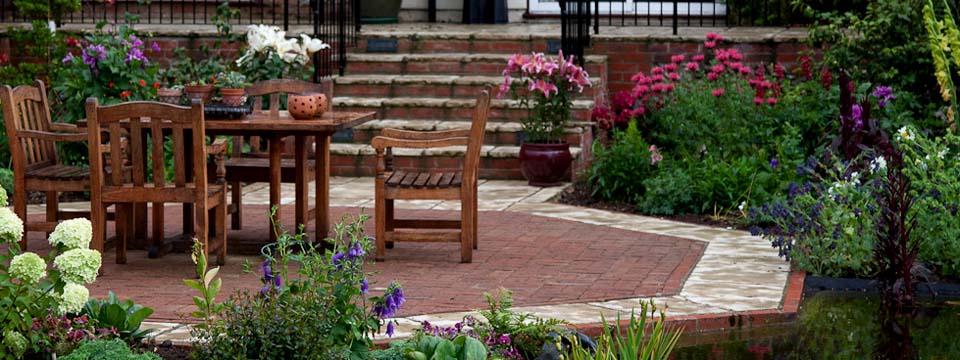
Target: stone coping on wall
x=494 y=32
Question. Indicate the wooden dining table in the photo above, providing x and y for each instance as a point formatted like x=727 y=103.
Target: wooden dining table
x=274 y=127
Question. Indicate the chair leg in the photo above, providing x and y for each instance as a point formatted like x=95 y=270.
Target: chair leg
x=236 y=196
x=381 y=219
x=20 y=206
x=201 y=226
x=123 y=231
x=53 y=209
x=98 y=219
x=389 y=220
x=476 y=200
x=466 y=234
x=221 y=230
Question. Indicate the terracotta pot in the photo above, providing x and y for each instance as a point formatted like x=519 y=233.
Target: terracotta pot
x=545 y=164
x=233 y=97
x=170 y=96
x=302 y=106
x=199 y=92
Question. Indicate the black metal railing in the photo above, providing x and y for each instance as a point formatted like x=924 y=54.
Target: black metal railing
x=574 y=28
x=336 y=22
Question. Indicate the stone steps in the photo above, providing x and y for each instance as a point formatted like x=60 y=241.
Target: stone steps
x=496 y=162
x=447 y=108
x=446 y=64
x=497 y=133
x=437 y=86
x=432 y=41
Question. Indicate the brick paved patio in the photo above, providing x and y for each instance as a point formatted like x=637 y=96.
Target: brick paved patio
x=543 y=260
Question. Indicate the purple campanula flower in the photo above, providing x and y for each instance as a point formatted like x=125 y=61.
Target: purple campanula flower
x=355 y=251
x=336 y=259
x=774 y=163
x=390 y=329
x=364 y=286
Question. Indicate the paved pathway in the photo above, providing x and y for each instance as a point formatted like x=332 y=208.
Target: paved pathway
x=626 y=257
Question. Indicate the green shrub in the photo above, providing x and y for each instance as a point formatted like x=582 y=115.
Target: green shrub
x=618 y=171
x=108 y=350
x=124 y=317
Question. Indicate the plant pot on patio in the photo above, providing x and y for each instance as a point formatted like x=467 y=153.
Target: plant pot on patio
x=545 y=164
x=199 y=92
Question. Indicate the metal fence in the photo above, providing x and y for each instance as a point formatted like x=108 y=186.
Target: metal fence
x=695 y=13
x=336 y=22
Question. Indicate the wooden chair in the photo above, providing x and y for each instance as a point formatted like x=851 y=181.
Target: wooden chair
x=36 y=166
x=185 y=125
x=253 y=164
x=425 y=185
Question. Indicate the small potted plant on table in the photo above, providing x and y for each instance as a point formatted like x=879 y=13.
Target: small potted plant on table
x=232 y=86
x=198 y=76
x=545 y=88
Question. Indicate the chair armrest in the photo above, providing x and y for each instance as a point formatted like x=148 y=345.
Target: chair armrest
x=424 y=135
x=218 y=147
x=70 y=128
x=382 y=142
x=51 y=136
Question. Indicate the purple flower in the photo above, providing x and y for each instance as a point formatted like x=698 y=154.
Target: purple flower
x=92 y=54
x=390 y=329
x=364 y=286
x=504 y=339
x=355 y=251
x=336 y=259
x=277 y=281
x=392 y=300
x=885 y=94
x=267 y=271
x=135 y=54
x=155 y=47
x=68 y=58
x=774 y=162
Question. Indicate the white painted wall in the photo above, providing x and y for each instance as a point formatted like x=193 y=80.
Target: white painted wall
x=452 y=10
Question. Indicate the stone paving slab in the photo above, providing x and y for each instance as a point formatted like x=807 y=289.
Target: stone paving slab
x=736 y=274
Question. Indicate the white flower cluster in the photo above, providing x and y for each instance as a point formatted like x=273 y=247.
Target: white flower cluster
x=78 y=265
x=28 y=267
x=265 y=39
x=878 y=163
x=73 y=299
x=11 y=227
x=72 y=234
x=905 y=133
x=3 y=197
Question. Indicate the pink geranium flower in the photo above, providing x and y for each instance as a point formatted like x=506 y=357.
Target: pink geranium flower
x=772 y=101
x=656 y=71
x=676 y=59
x=717 y=92
x=758 y=100
x=713 y=76
x=709 y=44
x=692 y=66
x=674 y=76
x=671 y=67
x=698 y=57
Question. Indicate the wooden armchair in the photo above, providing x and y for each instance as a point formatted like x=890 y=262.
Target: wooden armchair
x=185 y=125
x=425 y=185
x=253 y=164
x=36 y=166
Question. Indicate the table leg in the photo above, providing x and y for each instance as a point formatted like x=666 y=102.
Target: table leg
x=275 y=152
x=301 y=180
x=322 y=179
x=188 y=217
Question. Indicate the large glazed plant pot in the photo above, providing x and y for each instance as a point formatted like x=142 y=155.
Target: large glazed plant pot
x=379 y=11
x=545 y=164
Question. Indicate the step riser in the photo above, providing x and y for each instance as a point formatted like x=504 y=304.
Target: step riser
x=426 y=90
x=490 y=168
x=364 y=136
x=433 y=45
x=454 y=114
x=475 y=67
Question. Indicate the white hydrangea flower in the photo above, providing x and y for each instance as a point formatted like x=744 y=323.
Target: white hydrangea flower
x=15 y=342
x=11 y=227
x=74 y=297
x=73 y=234
x=3 y=197
x=28 y=267
x=78 y=265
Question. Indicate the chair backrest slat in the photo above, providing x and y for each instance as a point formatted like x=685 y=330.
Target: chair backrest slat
x=26 y=108
x=128 y=120
x=477 y=130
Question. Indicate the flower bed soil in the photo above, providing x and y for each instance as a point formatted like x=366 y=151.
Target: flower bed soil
x=578 y=194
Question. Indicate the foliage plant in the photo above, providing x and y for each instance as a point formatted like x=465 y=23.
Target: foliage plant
x=638 y=340
x=124 y=317
x=708 y=133
x=271 y=55
x=47 y=10
x=321 y=310
x=111 y=64
x=526 y=333
x=231 y=80
x=39 y=303
x=881 y=45
x=108 y=350
x=461 y=347
x=545 y=87
x=944 y=43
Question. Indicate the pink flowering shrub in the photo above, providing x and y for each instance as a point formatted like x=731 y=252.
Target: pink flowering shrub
x=545 y=86
x=712 y=132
